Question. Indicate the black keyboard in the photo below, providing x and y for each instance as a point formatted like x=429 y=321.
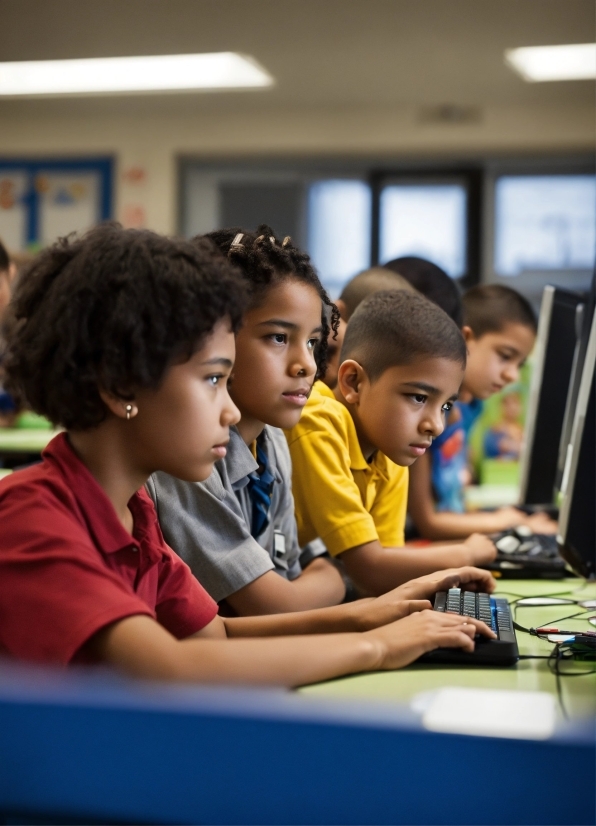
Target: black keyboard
x=495 y=612
x=522 y=554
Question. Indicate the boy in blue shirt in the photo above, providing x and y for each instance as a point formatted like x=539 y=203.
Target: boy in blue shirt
x=499 y=327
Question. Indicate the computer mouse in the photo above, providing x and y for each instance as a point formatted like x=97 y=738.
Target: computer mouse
x=522 y=531
x=507 y=544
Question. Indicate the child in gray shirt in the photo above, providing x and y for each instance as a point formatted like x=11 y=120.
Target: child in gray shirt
x=237 y=530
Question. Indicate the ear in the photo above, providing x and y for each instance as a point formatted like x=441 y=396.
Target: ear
x=121 y=408
x=343 y=310
x=350 y=377
x=467 y=333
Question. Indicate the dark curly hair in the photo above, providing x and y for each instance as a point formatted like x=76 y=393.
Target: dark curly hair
x=113 y=309
x=265 y=261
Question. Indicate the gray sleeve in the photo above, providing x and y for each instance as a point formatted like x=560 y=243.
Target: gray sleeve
x=284 y=519
x=203 y=523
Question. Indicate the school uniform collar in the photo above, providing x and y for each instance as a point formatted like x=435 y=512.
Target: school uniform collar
x=240 y=462
x=101 y=520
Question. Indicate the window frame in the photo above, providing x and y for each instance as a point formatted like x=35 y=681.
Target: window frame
x=473 y=177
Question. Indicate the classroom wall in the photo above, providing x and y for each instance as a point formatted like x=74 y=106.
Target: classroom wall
x=146 y=145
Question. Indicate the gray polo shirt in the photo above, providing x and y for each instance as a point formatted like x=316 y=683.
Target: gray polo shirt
x=208 y=523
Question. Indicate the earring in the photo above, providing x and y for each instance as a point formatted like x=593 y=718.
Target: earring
x=128 y=412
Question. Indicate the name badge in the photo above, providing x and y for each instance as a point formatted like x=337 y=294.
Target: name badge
x=279 y=550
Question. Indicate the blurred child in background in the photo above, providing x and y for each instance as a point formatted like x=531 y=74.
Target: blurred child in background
x=499 y=327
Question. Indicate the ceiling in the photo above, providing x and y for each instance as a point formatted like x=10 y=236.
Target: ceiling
x=323 y=53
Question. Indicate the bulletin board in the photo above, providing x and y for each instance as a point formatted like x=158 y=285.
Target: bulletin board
x=44 y=199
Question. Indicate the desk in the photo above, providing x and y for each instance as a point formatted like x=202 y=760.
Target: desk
x=14 y=440
x=579 y=693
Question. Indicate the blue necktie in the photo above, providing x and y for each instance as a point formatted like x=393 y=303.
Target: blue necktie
x=260 y=487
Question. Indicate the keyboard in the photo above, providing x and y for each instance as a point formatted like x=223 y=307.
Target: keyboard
x=522 y=554
x=495 y=612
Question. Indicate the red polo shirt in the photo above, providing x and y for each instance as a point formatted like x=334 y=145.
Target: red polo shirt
x=68 y=567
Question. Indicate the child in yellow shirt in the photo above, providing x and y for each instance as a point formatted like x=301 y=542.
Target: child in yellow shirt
x=402 y=363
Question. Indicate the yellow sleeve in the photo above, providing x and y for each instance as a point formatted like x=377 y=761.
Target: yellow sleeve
x=327 y=499
x=389 y=508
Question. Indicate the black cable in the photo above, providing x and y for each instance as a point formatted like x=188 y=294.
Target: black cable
x=534 y=657
x=557 y=653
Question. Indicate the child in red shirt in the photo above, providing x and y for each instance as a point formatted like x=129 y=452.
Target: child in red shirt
x=126 y=339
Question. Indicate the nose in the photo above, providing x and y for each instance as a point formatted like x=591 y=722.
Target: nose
x=433 y=423
x=304 y=363
x=511 y=373
x=230 y=413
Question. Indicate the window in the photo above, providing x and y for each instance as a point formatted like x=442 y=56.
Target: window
x=426 y=220
x=544 y=222
x=339 y=222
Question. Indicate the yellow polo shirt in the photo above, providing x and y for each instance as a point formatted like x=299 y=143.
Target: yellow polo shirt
x=339 y=496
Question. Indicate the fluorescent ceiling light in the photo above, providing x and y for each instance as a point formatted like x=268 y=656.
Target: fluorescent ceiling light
x=540 y=63
x=118 y=75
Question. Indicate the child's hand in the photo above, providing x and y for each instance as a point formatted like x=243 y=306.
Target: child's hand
x=425 y=587
x=480 y=549
x=374 y=613
x=404 y=641
x=541 y=523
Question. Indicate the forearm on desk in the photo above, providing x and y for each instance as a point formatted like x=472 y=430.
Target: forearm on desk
x=377 y=570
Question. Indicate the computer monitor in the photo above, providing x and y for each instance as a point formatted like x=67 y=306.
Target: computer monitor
x=556 y=344
x=577 y=521
x=585 y=317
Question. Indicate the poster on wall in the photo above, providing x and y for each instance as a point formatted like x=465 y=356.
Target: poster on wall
x=13 y=209
x=42 y=200
x=68 y=202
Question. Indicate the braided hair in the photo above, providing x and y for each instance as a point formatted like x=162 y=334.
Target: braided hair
x=265 y=261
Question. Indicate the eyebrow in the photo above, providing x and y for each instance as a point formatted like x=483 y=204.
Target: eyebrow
x=219 y=360
x=422 y=385
x=286 y=325
x=428 y=388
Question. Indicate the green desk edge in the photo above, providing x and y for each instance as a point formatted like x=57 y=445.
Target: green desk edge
x=579 y=693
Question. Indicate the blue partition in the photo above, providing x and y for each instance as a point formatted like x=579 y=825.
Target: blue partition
x=92 y=747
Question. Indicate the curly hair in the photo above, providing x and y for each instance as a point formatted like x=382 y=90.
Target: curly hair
x=265 y=261
x=112 y=310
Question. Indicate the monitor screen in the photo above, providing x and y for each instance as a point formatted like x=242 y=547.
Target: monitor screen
x=585 y=316
x=577 y=521
x=553 y=359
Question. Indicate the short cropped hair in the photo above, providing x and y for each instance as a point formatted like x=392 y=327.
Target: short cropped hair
x=112 y=310
x=264 y=261
x=432 y=282
x=488 y=308
x=394 y=327
x=368 y=282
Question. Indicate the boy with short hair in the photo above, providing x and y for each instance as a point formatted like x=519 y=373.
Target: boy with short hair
x=354 y=292
x=499 y=327
x=403 y=361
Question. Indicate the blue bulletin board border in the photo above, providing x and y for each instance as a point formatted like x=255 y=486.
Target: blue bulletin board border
x=103 y=165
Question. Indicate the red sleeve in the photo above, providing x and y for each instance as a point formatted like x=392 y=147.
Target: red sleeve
x=183 y=605
x=55 y=590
